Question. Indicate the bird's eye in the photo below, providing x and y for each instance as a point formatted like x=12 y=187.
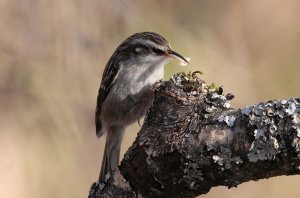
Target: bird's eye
x=138 y=50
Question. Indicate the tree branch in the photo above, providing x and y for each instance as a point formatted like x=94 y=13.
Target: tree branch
x=192 y=140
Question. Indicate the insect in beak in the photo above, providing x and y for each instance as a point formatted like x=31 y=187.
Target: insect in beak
x=172 y=54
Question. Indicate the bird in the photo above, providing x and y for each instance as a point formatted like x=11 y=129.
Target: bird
x=125 y=91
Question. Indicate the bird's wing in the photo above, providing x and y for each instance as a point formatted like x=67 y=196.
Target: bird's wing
x=108 y=78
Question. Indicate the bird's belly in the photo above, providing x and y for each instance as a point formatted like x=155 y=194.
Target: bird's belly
x=128 y=108
x=129 y=100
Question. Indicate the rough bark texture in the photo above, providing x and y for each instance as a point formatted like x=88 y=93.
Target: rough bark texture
x=192 y=140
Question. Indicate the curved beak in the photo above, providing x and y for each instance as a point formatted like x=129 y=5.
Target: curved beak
x=178 y=57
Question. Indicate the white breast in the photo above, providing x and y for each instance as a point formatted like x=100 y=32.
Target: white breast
x=144 y=75
x=157 y=74
x=131 y=95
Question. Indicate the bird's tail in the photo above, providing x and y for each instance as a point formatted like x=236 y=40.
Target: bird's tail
x=112 y=152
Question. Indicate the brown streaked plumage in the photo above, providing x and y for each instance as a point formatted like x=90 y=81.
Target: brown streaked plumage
x=124 y=94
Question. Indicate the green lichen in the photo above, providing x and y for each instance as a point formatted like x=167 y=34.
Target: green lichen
x=265 y=118
x=189 y=82
x=192 y=85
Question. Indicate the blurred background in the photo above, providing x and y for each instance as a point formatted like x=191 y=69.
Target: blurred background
x=52 y=55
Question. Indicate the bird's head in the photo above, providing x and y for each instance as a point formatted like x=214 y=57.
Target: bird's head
x=148 y=47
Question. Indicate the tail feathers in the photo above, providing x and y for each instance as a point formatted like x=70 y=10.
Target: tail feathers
x=111 y=153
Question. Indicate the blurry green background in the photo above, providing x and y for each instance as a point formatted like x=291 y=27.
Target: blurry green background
x=52 y=55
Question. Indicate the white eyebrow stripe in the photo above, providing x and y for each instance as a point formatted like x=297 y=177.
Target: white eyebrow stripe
x=147 y=42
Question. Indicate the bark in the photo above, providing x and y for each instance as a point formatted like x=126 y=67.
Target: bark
x=192 y=140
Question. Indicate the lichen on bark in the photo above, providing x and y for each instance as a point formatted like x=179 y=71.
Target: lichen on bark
x=192 y=140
